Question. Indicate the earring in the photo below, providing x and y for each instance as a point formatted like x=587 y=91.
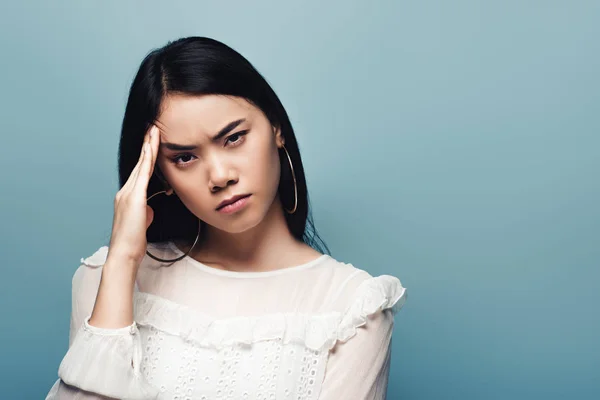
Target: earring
x=182 y=256
x=295 y=186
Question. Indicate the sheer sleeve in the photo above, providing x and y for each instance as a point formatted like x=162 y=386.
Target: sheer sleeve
x=359 y=368
x=100 y=363
x=359 y=363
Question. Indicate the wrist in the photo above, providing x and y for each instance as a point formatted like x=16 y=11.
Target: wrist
x=120 y=269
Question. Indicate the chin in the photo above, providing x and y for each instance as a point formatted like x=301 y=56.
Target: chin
x=241 y=223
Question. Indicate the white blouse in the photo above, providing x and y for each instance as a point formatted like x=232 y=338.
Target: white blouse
x=320 y=330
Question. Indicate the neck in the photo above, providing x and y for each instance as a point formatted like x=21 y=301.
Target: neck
x=261 y=247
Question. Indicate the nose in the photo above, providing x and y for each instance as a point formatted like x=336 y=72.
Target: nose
x=220 y=174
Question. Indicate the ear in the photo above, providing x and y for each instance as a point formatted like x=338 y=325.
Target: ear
x=278 y=137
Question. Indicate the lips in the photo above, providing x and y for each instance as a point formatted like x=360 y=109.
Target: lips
x=231 y=200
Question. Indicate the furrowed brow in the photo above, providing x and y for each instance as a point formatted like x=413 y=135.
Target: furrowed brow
x=224 y=131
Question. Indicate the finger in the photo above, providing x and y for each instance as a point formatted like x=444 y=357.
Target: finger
x=142 y=156
x=143 y=176
x=150 y=137
x=154 y=144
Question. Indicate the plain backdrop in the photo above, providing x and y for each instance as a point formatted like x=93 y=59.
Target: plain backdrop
x=453 y=144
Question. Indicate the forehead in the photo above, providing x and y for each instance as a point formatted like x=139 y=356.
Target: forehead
x=183 y=115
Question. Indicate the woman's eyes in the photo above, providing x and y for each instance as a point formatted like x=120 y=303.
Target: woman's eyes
x=179 y=157
x=237 y=135
x=238 y=140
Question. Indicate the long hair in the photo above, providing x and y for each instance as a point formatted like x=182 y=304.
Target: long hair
x=204 y=66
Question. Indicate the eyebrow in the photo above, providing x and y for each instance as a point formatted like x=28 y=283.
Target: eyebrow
x=224 y=131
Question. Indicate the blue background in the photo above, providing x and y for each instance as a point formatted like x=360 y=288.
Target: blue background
x=454 y=144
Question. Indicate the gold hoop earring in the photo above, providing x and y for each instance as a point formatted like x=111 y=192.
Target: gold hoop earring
x=182 y=256
x=295 y=185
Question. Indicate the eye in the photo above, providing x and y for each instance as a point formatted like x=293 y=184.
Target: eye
x=181 y=157
x=238 y=138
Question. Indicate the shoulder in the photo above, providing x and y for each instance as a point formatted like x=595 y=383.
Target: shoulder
x=357 y=301
x=89 y=272
x=357 y=290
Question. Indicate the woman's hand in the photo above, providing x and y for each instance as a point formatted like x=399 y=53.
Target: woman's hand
x=132 y=215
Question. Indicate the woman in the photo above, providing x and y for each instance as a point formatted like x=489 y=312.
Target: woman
x=212 y=285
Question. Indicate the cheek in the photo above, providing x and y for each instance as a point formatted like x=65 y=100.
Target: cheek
x=264 y=166
x=270 y=174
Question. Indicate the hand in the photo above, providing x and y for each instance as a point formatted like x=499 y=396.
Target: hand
x=132 y=215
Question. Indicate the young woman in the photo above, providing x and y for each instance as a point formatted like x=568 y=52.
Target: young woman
x=215 y=284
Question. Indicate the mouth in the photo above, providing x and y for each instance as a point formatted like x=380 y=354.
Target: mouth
x=231 y=202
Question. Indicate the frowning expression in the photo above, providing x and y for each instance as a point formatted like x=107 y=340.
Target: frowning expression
x=214 y=147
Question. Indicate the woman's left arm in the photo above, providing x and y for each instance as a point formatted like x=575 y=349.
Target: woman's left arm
x=359 y=368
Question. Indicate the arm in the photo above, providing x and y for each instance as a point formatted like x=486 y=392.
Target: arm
x=103 y=358
x=359 y=368
x=105 y=352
